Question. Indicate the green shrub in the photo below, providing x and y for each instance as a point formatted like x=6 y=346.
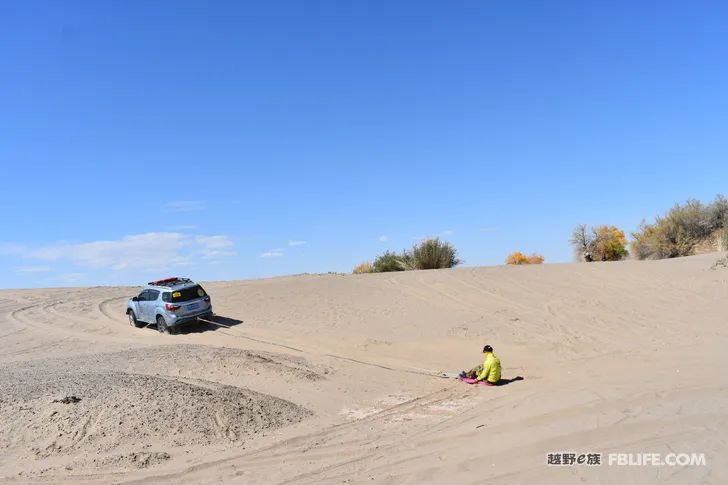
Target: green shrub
x=431 y=254
x=718 y=213
x=681 y=229
x=644 y=243
x=387 y=262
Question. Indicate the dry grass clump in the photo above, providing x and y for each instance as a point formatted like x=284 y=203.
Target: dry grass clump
x=721 y=263
x=363 y=268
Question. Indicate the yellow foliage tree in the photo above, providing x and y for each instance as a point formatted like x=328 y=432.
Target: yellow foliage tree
x=601 y=243
x=520 y=258
x=610 y=243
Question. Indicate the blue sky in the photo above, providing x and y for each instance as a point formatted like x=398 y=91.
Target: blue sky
x=229 y=140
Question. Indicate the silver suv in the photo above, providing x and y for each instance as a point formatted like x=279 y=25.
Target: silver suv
x=169 y=303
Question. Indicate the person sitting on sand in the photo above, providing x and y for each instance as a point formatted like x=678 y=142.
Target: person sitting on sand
x=489 y=371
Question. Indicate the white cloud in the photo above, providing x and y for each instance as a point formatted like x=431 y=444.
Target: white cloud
x=34 y=269
x=184 y=206
x=214 y=246
x=447 y=232
x=273 y=253
x=152 y=251
x=296 y=243
x=383 y=238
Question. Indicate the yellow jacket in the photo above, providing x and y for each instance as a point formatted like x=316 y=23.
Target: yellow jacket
x=491 y=369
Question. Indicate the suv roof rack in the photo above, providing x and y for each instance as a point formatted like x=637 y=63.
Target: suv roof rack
x=167 y=282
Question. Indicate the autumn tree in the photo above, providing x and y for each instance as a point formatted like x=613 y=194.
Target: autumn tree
x=602 y=243
x=610 y=243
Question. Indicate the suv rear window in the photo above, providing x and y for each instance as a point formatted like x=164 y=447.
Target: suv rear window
x=184 y=294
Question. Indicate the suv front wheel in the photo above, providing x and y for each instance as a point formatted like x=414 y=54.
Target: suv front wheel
x=133 y=320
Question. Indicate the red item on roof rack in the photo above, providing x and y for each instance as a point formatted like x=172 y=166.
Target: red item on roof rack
x=165 y=280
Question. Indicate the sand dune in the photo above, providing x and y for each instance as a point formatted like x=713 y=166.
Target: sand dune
x=334 y=379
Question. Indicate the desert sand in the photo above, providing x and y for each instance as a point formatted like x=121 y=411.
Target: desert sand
x=336 y=379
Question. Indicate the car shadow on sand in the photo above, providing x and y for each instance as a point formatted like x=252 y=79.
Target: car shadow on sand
x=209 y=325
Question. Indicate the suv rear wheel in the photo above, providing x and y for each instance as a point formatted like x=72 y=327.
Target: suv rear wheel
x=163 y=327
x=133 y=320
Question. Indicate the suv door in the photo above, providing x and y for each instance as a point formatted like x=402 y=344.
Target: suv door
x=145 y=307
x=142 y=306
x=151 y=304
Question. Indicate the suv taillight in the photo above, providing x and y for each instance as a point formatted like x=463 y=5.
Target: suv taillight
x=207 y=299
x=171 y=307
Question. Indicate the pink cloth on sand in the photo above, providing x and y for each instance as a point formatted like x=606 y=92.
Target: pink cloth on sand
x=468 y=380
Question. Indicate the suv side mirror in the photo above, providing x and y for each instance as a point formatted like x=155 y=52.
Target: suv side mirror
x=135 y=299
